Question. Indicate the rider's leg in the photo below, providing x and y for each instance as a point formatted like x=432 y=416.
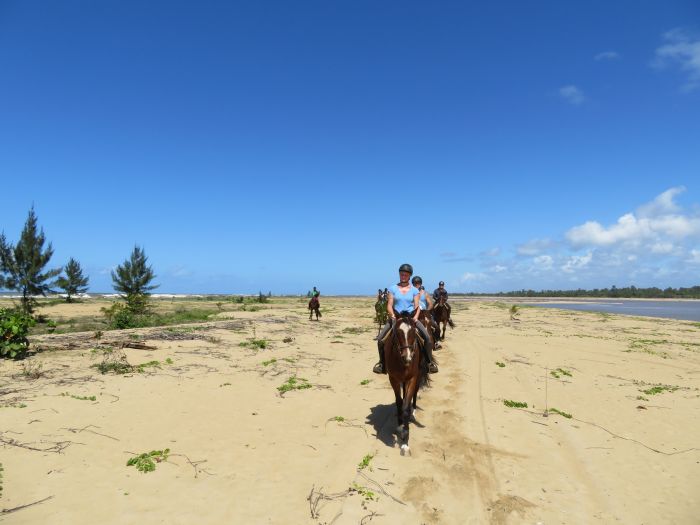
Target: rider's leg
x=379 y=368
x=427 y=348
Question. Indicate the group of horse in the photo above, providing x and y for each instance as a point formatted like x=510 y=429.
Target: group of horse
x=405 y=364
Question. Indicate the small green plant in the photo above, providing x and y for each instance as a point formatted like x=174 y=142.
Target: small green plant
x=642 y=398
x=557 y=411
x=150 y=364
x=560 y=372
x=256 y=344
x=169 y=361
x=146 y=462
x=81 y=398
x=14 y=405
x=364 y=492
x=224 y=384
x=339 y=419
x=365 y=462
x=514 y=404
x=294 y=383
x=365 y=382
x=498 y=363
x=658 y=389
x=269 y=362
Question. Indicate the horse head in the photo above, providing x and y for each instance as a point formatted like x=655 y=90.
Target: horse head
x=405 y=338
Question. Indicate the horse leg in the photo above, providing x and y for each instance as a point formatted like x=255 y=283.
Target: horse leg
x=408 y=401
x=397 y=394
x=444 y=327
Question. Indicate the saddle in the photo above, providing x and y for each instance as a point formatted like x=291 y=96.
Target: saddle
x=419 y=336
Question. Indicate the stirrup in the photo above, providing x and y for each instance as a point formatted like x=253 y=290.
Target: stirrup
x=378 y=368
x=432 y=368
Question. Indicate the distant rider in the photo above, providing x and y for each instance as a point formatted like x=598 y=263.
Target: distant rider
x=441 y=292
x=404 y=297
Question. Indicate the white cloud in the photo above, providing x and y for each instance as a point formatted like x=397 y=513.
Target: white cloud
x=543 y=262
x=577 y=262
x=498 y=268
x=468 y=276
x=607 y=55
x=572 y=94
x=694 y=257
x=682 y=50
x=662 y=248
x=658 y=221
x=534 y=247
x=493 y=252
x=180 y=271
x=662 y=204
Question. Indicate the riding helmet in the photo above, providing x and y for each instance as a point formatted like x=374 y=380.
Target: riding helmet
x=406 y=268
x=417 y=280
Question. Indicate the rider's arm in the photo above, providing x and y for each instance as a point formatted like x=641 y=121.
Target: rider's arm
x=429 y=301
x=390 y=305
x=416 y=306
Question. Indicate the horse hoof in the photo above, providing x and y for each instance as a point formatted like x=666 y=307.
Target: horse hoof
x=405 y=451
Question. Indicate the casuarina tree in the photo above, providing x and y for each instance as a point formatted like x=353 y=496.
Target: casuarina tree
x=133 y=279
x=74 y=282
x=22 y=266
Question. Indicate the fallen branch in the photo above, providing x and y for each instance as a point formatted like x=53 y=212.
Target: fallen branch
x=15 y=509
x=380 y=487
x=87 y=429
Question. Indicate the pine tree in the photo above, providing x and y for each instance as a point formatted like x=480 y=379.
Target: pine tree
x=22 y=266
x=74 y=282
x=133 y=278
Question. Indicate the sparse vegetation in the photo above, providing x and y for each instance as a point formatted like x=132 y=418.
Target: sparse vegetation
x=81 y=398
x=658 y=389
x=256 y=344
x=558 y=372
x=365 y=492
x=514 y=404
x=146 y=462
x=365 y=462
x=32 y=370
x=269 y=362
x=557 y=411
x=294 y=383
x=365 y=382
x=502 y=365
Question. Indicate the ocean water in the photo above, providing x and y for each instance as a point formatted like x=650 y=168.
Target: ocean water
x=682 y=310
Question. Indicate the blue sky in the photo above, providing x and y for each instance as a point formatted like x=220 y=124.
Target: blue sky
x=279 y=145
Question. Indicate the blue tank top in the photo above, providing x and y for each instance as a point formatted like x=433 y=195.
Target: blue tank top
x=423 y=301
x=403 y=302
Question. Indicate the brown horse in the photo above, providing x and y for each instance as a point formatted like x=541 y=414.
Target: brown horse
x=408 y=371
x=442 y=315
x=380 y=313
x=431 y=326
x=314 y=306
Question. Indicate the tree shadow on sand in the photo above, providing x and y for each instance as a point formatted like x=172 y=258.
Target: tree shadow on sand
x=383 y=419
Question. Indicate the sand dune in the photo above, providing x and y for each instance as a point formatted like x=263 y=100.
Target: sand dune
x=242 y=452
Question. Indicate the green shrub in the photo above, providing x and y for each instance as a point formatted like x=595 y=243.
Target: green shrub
x=14 y=327
x=146 y=462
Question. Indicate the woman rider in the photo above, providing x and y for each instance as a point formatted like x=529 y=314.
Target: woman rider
x=404 y=297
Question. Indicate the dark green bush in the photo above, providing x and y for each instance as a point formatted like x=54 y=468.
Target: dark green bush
x=14 y=327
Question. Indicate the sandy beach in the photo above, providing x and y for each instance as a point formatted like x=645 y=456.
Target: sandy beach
x=243 y=452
